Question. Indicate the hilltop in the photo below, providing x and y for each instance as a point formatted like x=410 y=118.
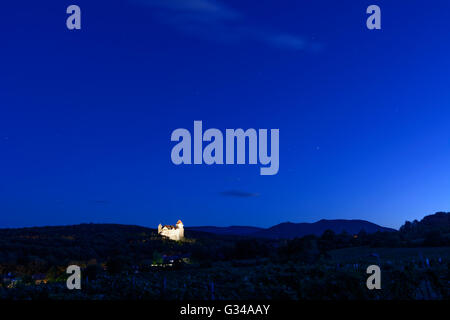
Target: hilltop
x=289 y=230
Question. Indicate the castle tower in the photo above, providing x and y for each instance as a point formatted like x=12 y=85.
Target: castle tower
x=180 y=227
x=159 y=228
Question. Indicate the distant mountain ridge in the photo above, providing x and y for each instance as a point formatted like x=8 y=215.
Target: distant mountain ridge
x=289 y=230
x=231 y=230
x=286 y=230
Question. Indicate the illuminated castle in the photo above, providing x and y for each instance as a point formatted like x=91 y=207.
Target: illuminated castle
x=172 y=232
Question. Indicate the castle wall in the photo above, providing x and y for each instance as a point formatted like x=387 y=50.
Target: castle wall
x=174 y=234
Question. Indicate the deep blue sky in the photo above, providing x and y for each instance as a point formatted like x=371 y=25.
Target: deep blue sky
x=86 y=116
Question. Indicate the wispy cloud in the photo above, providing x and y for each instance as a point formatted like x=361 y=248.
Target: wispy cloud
x=286 y=40
x=197 y=7
x=239 y=194
x=214 y=21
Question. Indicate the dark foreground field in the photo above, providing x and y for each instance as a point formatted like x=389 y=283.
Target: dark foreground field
x=129 y=262
x=416 y=274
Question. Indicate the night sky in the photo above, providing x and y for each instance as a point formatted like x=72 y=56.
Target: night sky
x=86 y=115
